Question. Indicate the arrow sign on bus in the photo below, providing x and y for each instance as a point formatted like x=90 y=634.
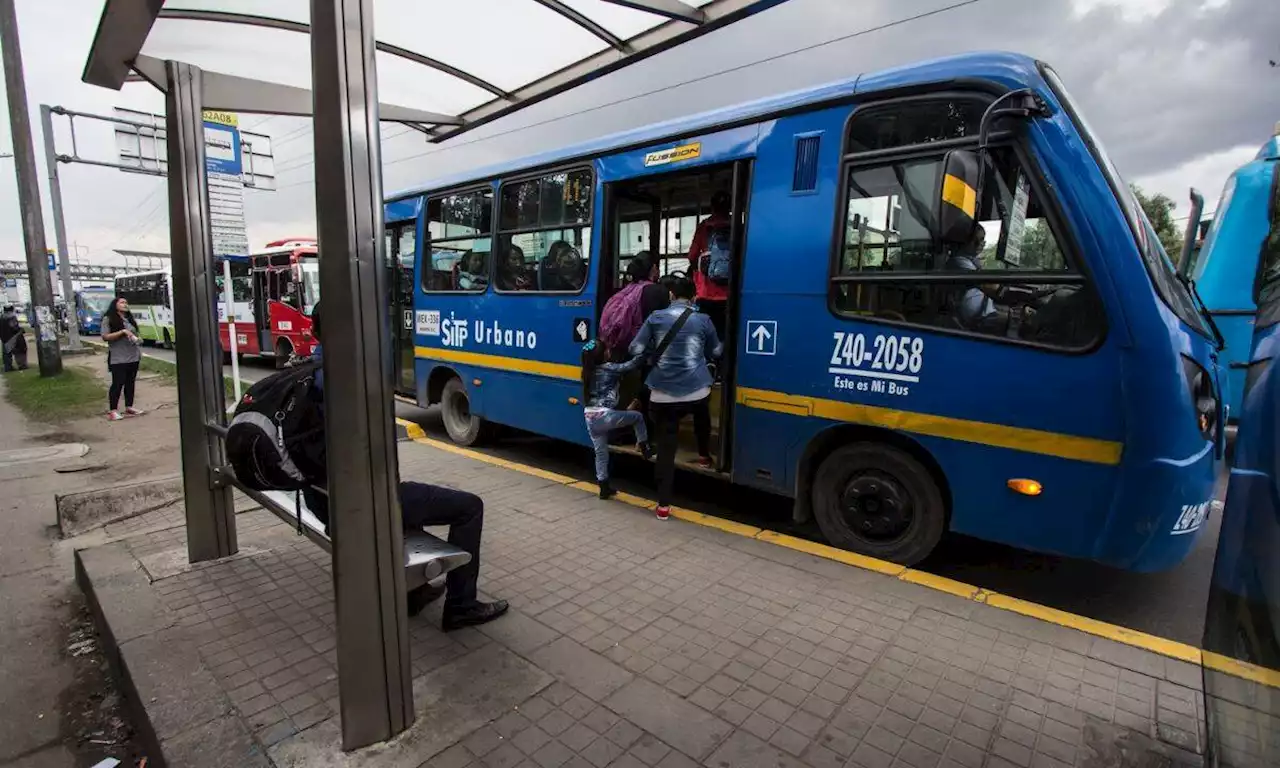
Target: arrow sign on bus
x=762 y=337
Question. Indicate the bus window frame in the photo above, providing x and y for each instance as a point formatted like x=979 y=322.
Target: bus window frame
x=429 y=241
x=499 y=232
x=1078 y=272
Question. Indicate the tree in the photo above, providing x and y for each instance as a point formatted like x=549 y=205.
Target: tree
x=1159 y=210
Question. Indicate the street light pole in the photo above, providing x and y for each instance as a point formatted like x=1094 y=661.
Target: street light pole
x=60 y=227
x=48 y=353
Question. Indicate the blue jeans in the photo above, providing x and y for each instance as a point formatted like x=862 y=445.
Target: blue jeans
x=601 y=423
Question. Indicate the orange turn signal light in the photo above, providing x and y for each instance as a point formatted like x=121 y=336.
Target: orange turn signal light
x=1026 y=487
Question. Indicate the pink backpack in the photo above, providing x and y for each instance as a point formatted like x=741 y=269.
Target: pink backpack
x=621 y=319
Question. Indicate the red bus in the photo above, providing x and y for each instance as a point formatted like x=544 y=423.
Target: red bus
x=273 y=293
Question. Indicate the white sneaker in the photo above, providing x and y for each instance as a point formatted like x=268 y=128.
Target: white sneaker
x=114 y=416
x=134 y=411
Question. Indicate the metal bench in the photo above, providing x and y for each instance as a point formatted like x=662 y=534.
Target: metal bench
x=427 y=558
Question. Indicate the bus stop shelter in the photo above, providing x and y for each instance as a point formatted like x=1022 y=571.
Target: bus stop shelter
x=467 y=83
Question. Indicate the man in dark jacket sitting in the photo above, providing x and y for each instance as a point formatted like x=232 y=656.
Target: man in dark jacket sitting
x=422 y=505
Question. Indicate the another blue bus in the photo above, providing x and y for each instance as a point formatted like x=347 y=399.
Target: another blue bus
x=91 y=302
x=1058 y=392
x=1243 y=618
x=1229 y=260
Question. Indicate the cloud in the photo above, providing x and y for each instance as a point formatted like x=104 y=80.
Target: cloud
x=1173 y=88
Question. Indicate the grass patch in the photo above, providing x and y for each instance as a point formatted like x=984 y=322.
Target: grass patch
x=74 y=393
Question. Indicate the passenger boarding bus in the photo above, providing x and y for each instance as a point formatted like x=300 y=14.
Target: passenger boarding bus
x=273 y=293
x=1242 y=624
x=946 y=312
x=150 y=296
x=1229 y=261
x=91 y=301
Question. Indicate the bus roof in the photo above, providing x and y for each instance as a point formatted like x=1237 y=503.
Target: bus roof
x=1009 y=68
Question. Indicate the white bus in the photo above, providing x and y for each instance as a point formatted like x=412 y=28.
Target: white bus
x=150 y=297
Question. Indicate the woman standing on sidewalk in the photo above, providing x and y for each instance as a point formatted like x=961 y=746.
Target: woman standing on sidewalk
x=120 y=331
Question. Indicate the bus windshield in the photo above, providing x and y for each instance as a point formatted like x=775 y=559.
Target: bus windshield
x=310 y=267
x=1164 y=276
x=96 y=303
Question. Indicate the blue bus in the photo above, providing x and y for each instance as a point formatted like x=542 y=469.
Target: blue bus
x=1229 y=259
x=946 y=312
x=91 y=302
x=1242 y=623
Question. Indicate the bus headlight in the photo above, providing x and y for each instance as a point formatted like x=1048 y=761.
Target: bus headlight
x=1203 y=399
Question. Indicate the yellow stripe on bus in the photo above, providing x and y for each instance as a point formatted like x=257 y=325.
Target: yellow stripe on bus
x=956 y=192
x=998 y=435
x=517 y=364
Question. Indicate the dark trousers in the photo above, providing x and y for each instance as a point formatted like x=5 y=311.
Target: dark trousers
x=667 y=418
x=15 y=360
x=422 y=505
x=123 y=376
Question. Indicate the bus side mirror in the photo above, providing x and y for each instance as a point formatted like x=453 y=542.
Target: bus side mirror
x=958 y=194
x=1192 y=234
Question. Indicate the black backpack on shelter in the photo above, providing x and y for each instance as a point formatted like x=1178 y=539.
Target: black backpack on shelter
x=275 y=442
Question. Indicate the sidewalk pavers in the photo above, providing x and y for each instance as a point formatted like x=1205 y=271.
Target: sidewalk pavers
x=638 y=643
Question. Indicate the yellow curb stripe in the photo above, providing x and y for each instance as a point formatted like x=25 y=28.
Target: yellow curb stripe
x=831 y=553
x=942 y=584
x=1242 y=669
x=1157 y=645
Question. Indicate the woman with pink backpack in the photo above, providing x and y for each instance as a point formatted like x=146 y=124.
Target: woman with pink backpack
x=626 y=310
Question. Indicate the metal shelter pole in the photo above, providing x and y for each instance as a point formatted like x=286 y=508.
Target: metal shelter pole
x=374 y=671
x=211 y=524
x=60 y=227
x=24 y=155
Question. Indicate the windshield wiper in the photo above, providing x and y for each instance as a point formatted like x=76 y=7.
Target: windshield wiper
x=1190 y=285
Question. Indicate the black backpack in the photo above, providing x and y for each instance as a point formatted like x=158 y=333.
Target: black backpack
x=275 y=442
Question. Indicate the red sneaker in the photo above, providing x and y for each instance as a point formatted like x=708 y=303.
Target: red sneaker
x=663 y=511
x=706 y=462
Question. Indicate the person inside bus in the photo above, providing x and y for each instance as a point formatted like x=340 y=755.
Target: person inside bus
x=14 y=341
x=711 y=295
x=562 y=268
x=976 y=308
x=472 y=274
x=422 y=505
x=680 y=382
x=513 y=273
x=120 y=331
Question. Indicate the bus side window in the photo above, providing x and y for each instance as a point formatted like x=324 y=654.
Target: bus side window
x=460 y=226
x=1022 y=286
x=544 y=241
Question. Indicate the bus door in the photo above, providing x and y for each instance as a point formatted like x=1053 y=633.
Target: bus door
x=659 y=217
x=399 y=252
x=261 y=317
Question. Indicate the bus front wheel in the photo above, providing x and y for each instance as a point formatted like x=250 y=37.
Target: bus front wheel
x=463 y=426
x=878 y=500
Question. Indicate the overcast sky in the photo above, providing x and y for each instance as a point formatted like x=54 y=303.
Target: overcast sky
x=1180 y=91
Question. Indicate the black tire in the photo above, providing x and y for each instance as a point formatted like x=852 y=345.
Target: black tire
x=168 y=341
x=284 y=353
x=463 y=426
x=879 y=501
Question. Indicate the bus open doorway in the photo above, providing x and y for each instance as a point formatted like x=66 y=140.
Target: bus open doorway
x=658 y=217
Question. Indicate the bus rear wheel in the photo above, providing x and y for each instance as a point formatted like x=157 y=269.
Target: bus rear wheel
x=879 y=501
x=463 y=426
